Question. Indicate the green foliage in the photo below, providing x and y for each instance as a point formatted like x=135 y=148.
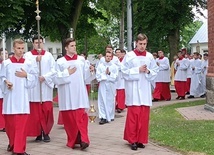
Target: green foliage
x=188 y=32
x=169 y=128
x=160 y=19
x=12 y=13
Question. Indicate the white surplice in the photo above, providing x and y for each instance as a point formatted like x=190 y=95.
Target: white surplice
x=47 y=71
x=137 y=85
x=90 y=78
x=181 y=70
x=189 y=70
x=72 y=93
x=196 y=79
x=164 y=70
x=204 y=68
x=16 y=100
x=107 y=90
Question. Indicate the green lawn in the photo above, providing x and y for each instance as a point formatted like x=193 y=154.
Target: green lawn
x=169 y=128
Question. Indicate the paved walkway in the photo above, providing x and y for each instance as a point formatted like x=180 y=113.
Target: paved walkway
x=105 y=140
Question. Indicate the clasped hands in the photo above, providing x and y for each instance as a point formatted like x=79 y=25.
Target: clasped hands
x=143 y=69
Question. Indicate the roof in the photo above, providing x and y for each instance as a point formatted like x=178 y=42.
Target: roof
x=201 y=35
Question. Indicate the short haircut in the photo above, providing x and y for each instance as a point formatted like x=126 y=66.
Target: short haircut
x=141 y=37
x=18 y=41
x=68 y=41
x=108 y=46
x=36 y=37
x=206 y=54
x=155 y=54
x=118 y=50
x=1 y=49
x=109 y=53
x=196 y=53
x=123 y=51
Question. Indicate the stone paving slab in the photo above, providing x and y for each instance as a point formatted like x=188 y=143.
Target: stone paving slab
x=196 y=113
x=105 y=139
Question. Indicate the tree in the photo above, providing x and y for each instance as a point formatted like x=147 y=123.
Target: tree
x=163 y=21
x=12 y=13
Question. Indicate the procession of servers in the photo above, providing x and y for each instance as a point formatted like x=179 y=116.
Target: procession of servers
x=126 y=81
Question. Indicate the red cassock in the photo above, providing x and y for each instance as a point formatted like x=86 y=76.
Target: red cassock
x=88 y=87
x=188 y=84
x=137 y=124
x=40 y=118
x=60 y=120
x=120 y=99
x=162 y=91
x=75 y=124
x=2 y=121
x=180 y=87
x=15 y=124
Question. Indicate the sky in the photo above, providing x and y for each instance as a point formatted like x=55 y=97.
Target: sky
x=199 y=17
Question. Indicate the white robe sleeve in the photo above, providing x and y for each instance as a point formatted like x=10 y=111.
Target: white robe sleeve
x=88 y=76
x=113 y=75
x=61 y=75
x=3 y=78
x=164 y=65
x=49 y=76
x=128 y=71
x=198 y=68
x=153 y=69
x=32 y=76
x=101 y=73
x=184 y=65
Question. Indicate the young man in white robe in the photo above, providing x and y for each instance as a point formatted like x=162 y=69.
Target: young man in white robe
x=196 y=79
x=106 y=75
x=181 y=65
x=72 y=71
x=162 y=89
x=120 y=84
x=17 y=75
x=204 y=73
x=115 y=60
x=139 y=68
x=3 y=56
x=41 y=118
x=189 y=73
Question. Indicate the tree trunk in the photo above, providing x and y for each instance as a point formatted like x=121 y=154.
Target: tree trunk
x=121 y=44
x=173 y=40
x=76 y=14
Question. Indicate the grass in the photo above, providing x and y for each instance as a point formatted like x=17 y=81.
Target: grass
x=169 y=128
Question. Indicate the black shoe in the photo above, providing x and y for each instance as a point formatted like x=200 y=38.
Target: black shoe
x=154 y=100
x=38 y=138
x=103 y=121
x=9 y=148
x=190 y=96
x=46 y=138
x=140 y=145
x=182 y=98
x=112 y=120
x=177 y=98
x=119 y=110
x=187 y=93
x=203 y=96
x=3 y=130
x=84 y=145
x=134 y=146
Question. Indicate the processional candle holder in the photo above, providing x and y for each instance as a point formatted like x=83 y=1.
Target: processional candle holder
x=92 y=114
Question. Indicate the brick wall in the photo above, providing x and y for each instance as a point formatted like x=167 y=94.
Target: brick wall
x=211 y=37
